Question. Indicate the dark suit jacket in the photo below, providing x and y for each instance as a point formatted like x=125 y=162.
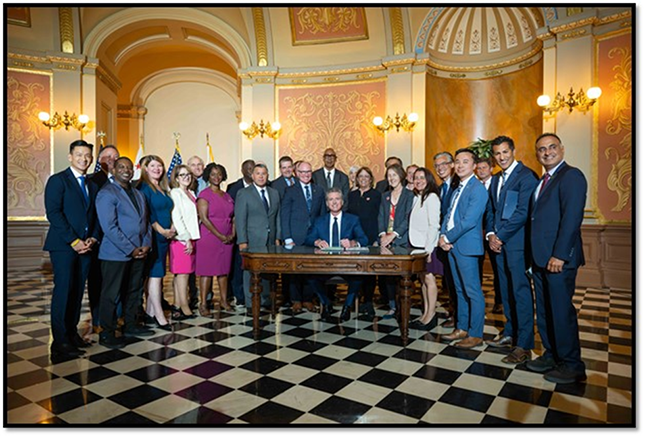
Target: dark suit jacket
x=466 y=235
x=280 y=184
x=556 y=218
x=234 y=188
x=70 y=217
x=294 y=216
x=401 y=216
x=350 y=228
x=445 y=201
x=124 y=228
x=383 y=186
x=99 y=178
x=340 y=181
x=507 y=216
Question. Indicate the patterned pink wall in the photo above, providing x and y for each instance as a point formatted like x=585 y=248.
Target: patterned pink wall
x=315 y=118
x=322 y=25
x=28 y=143
x=614 y=176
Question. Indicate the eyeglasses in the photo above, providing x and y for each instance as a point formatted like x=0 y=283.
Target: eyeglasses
x=304 y=171
x=183 y=175
x=327 y=155
x=443 y=164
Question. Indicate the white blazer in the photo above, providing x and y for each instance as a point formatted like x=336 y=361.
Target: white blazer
x=184 y=216
x=424 y=222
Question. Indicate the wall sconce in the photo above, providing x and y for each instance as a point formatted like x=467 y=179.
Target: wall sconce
x=268 y=129
x=581 y=101
x=406 y=122
x=56 y=122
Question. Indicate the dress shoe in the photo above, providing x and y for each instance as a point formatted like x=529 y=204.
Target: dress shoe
x=367 y=308
x=469 y=343
x=501 y=341
x=344 y=314
x=296 y=307
x=110 y=341
x=66 y=349
x=148 y=320
x=390 y=314
x=457 y=334
x=325 y=315
x=565 y=375
x=541 y=364
x=518 y=356
x=309 y=306
x=78 y=341
x=137 y=331
x=449 y=323
x=165 y=327
x=417 y=324
x=498 y=308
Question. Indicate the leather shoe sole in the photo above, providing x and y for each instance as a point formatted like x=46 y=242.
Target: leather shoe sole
x=469 y=343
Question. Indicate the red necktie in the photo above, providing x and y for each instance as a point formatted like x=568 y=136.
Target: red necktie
x=545 y=180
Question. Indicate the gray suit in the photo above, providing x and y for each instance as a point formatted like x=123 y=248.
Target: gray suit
x=257 y=228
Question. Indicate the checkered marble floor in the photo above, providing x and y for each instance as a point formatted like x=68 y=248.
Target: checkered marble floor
x=304 y=371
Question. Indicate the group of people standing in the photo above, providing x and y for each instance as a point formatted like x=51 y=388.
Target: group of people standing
x=531 y=228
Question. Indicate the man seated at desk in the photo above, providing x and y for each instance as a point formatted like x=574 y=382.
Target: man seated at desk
x=336 y=230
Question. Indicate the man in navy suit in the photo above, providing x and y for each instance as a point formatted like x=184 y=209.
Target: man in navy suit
x=127 y=238
x=301 y=204
x=506 y=215
x=461 y=236
x=73 y=234
x=235 y=283
x=329 y=176
x=286 y=178
x=557 y=210
x=342 y=230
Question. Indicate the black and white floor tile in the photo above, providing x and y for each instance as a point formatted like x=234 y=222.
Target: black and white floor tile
x=210 y=371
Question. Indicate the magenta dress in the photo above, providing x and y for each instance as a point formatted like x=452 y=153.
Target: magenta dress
x=213 y=256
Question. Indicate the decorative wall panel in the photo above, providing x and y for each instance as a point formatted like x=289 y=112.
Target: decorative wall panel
x=614 y=151
x=325 y=25
x=314 y=118
x=28 y=143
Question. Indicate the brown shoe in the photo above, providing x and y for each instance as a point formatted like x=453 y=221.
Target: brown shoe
x=457 y=334
x=296 y=307
x=469 y=343
x=518 y=356
x=309 y=306
x=449 y=323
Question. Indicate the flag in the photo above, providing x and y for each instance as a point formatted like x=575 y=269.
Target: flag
x=176 y=160
x=137 y=166
x=97 y=167
x=209 y=151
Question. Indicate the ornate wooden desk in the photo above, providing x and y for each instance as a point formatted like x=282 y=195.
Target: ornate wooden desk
x=308 y=260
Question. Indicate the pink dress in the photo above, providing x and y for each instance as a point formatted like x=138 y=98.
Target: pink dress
x=180 y=262
x=213 y=256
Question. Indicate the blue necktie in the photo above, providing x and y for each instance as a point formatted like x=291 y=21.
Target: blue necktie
x=444 y=187
x=84 y=190
x=501 y=184
x=265 y=201
x=453 y=200
x=308 y=197
x=335 y=242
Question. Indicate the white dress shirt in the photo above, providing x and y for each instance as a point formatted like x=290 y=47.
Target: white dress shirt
x=451 y=219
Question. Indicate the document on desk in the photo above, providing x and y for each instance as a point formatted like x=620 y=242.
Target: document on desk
x=337 y=250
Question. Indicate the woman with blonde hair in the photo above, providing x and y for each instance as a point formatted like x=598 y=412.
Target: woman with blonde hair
x=182 y=247
x=154 y=186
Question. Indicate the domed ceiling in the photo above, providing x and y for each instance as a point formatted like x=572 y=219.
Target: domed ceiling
x=483 y=36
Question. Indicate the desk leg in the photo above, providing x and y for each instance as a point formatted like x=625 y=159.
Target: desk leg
x=404 y=298
x=256 y=289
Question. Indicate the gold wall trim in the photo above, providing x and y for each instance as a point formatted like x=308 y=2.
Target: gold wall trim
x=25 y=57
x=395 y=62
x=615 y=17
x=328 y=84
x=573 y=25
x=27 y=219
x=535 y=50
x=67 y=60
x=573 y=35
x=398 y=36
x=332 y=72
x=66 y=23
x=260 y=37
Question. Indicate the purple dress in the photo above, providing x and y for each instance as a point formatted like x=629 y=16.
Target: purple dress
x=213 y=256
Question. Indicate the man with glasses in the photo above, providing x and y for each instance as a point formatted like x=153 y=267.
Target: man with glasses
x=301 y=205
x=329 y=176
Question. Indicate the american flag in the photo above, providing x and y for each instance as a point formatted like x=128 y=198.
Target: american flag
x=176 y=160
x=97 y=167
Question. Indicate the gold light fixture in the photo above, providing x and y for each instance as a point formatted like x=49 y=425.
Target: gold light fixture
x=271 y=130
x=56 y=122
x=405 y=122
x=580 y=101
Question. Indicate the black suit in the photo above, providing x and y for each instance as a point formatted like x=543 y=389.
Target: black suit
x=95 y=278
x=235 y=283
x=383 y=186
x=448 y=281
x=280 y=184
x=70 y=217
x=555 y=221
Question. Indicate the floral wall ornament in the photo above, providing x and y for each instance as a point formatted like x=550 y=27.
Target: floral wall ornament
x=319 y=25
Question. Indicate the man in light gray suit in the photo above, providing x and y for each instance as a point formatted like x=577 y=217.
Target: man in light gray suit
x=257 y=209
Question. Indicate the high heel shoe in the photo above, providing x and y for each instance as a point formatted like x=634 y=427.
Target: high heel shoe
x=165 y=327
x=204 y=311
x=417 y=324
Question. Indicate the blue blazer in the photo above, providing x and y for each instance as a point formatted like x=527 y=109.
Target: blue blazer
x=280 y=184
x=350 y=228
x=466 y=236
x=507 y=216
x=70 y=217
x=295 y=219
x=124 y=229
x=556 y=218
x=234 y=188
x=401 y=216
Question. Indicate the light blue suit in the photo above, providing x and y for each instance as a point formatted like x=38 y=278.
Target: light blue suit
x=468 y=244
